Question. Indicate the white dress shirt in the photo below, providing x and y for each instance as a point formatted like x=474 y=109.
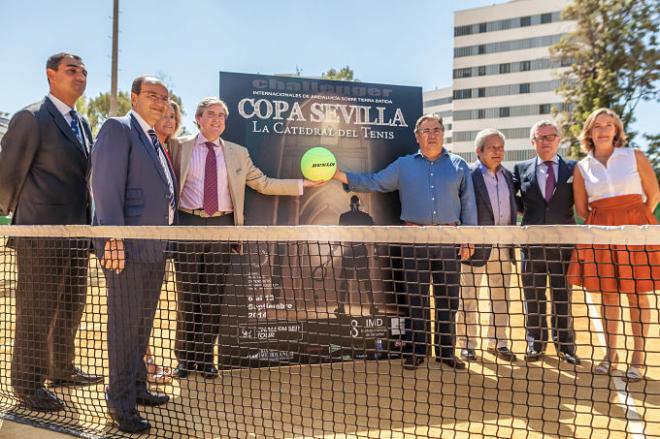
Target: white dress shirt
x=542 y=171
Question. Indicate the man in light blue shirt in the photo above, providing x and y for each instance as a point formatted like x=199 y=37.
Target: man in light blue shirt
x=435 y=189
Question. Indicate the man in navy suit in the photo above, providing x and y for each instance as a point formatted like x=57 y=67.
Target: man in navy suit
x=545 y=185
x=133 y=184
x=43 y=180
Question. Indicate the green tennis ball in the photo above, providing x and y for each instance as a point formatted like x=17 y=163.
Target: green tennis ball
x=318 y=164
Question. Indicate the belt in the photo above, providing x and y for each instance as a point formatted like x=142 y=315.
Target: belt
x=202 y=213
x=408 y=223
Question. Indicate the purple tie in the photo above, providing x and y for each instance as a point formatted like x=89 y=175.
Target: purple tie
x=210 y=181
x=550 y=181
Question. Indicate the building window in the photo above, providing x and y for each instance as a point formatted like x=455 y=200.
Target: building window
x=545 y=109
x=463 y=94
x=482 y=92
x=482 y=28
x=546 y=18
x=505 y=68
x=481 y=114
x=463 y=73
x=525 y=66
x=524 y=88
x=482 y=49
x=525 y=21
x=462 y=30
x=505 y=112
x=482 y=70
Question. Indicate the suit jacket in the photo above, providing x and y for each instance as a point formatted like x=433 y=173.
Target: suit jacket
x=485 y=215
x=535 y=209
x=240 y=172
x=43 y=168
x=129 y=185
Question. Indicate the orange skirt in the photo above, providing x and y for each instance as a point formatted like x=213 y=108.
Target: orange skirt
x=610 y=268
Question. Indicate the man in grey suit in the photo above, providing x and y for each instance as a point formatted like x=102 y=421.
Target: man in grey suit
x=43 y=180
x=496 y=206
x=133 y=184
x=545 y=184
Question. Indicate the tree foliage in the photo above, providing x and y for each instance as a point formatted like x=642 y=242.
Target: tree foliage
x=653 y=152
x=343 y=74
x=613 y=57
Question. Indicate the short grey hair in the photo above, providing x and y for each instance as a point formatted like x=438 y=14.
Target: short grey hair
x=429 y=116
x=540 y=124
x=480 y=140
x=208 y=102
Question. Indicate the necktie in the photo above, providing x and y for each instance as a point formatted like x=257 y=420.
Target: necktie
x=210 y=181
x=160 y=152
x=550 y=182
x=75 y=126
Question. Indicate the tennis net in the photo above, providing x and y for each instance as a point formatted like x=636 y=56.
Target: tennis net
x=342 y=332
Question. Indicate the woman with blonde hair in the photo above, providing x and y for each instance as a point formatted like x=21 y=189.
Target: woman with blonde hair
x=166 y=130
x=615 y=185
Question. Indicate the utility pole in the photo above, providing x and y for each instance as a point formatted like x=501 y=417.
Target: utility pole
x=115 y=58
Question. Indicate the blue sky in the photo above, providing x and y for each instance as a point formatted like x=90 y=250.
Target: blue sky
x=188 y=42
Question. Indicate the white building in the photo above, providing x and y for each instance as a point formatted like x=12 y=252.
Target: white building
x=438 y=102
x=503 y=76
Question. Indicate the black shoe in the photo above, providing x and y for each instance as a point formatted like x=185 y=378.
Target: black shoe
x=41 y=400
x=373 y=310
x=570 y=358
x=340 y=310
x=413 y=362
x=183 y=369
x=504 y=353
x=210 y=372
x=452 y=362
x=468 y=354
x=130 y=422
x=76 y=377
x=151 y=399
x=532 y=355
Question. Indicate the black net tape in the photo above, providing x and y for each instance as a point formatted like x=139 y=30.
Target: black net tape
x=333 y=339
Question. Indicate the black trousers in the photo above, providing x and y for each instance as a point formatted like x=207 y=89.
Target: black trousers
x=132 y=300
x=50 y=299
x=539 y=263
x=355 y=265
x=200 y=282
x=436 y=265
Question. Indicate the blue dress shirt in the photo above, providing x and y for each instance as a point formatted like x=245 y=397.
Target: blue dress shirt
x=431 y=192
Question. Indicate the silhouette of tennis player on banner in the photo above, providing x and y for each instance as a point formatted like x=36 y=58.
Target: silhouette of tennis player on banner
x=355 y=259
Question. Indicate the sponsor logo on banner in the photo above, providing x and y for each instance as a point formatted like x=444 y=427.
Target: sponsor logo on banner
x=272 y=355
x=334 y=348
x=398 y=325
x=280 y=331
x=371 y=328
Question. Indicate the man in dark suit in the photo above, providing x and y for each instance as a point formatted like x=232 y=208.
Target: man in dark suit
x=133 y=184
x=496 y=206
x=43 y=180
x=545 y=185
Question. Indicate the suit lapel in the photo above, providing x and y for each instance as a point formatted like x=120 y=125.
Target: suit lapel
x=230 y=165
x=480 y=186
x=531 y=169
x=64 y=126
x=512 y=197
x=563 y=172
x=186 y=154
x=146 y=143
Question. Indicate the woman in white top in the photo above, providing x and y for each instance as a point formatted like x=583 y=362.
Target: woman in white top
x=616 y=185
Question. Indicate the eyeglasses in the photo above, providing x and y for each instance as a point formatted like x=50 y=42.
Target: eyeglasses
x=427 y=131
x=548 y=138
x=155 y=96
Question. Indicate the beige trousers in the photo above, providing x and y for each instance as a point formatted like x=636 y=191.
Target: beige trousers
x=497 y=274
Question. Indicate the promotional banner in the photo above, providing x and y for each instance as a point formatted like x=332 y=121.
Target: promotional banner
x=290 y=289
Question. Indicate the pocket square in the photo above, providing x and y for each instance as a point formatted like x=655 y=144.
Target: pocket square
x=570 y=180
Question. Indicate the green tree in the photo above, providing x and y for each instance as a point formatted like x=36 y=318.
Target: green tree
x=343 y=74
x=653 y=152
x=613 y=57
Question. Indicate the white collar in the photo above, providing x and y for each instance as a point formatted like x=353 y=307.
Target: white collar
x=61 y=106
x=201 y=140
x=554 y=160
x=143 y=124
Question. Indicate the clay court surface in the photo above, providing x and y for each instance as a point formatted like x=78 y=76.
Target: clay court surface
x=366 y=399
